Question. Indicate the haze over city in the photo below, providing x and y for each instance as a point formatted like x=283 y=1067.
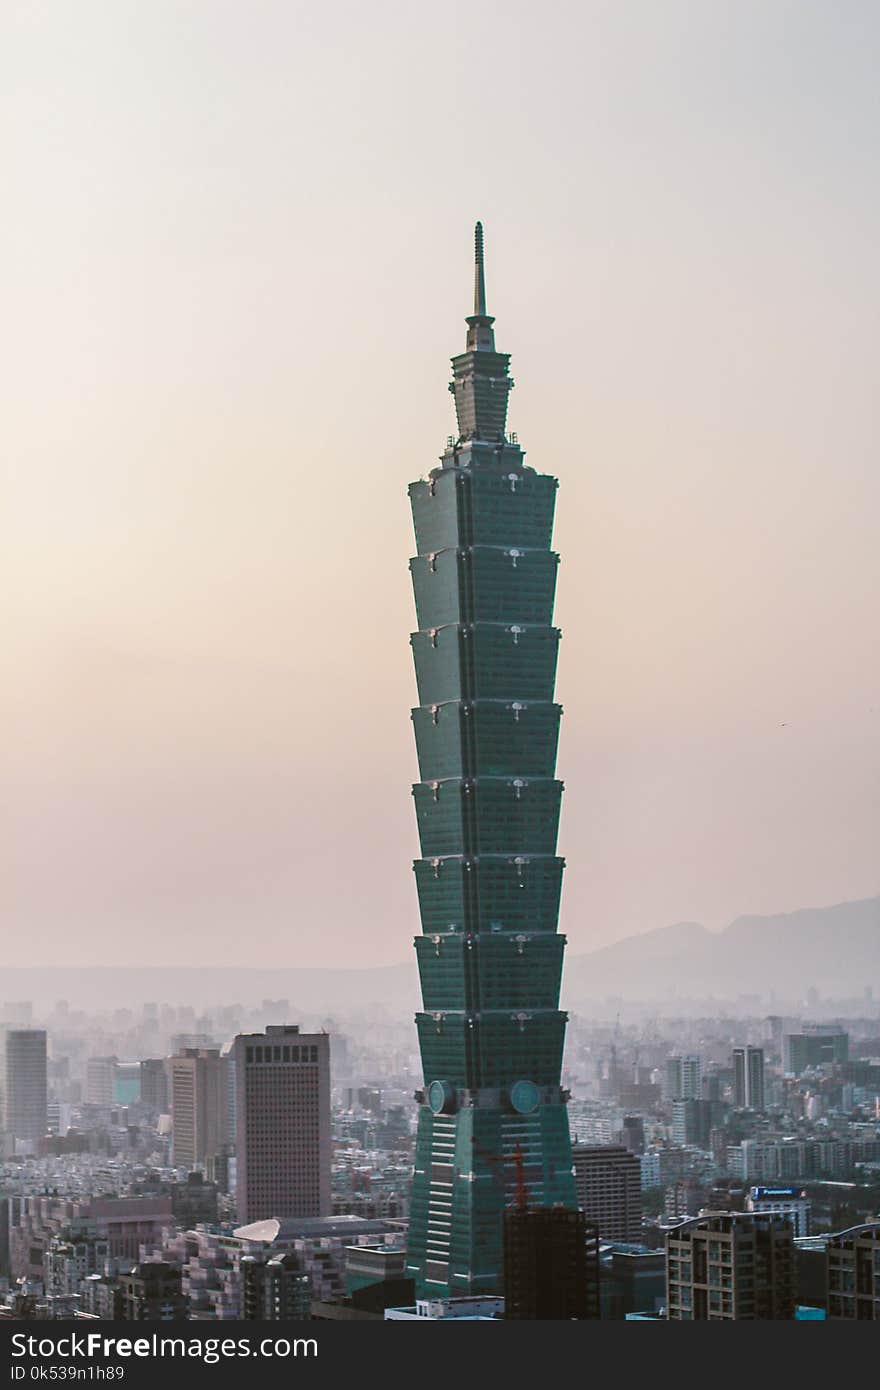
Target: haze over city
x=237 y=263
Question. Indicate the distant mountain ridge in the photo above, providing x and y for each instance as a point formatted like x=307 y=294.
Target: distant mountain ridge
x=834 y=949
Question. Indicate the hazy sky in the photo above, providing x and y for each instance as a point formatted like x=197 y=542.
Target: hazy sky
x=235 y=256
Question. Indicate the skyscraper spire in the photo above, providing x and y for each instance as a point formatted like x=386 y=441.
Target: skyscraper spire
x=479 y=274
x=481 y=336
x=481 y=383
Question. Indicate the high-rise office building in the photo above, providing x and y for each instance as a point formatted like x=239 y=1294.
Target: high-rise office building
x=229 y=1055
x=282 y=1123
x=692 y=1122
x=487 y=806
x=154 y=1084
x=551 y=1263
x=748 y=1078
x=608 y=1181
x=731 y=1266
x=816 y=1045
x=101 y=1080
x=684 y=1078
x=853 y=1273
x=197 y=1086
x=127 y=1083
x=23 y=1085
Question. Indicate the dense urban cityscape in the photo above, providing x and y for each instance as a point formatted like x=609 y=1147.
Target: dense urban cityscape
x=151 y=1171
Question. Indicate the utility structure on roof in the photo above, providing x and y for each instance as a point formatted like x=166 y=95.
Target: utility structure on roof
x=489 y=878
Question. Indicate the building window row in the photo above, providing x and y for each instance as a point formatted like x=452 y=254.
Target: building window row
x=282 y=1052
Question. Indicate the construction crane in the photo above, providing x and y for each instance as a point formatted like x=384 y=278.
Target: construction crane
x=497 y=1167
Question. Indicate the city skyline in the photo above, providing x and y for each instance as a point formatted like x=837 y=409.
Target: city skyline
x=108 y=1183
x=219 y=383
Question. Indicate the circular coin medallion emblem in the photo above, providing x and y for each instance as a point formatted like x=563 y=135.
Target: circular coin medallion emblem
x=524 y=1097
x=440 y=1096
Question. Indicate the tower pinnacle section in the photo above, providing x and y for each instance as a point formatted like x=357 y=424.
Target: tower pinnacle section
x=493 y=1124
x=480 y=380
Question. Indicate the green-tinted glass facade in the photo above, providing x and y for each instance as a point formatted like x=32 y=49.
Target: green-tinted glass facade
x=487 y=806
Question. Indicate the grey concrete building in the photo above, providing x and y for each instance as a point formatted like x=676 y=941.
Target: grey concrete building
x=23 y=1086
x=282 y=1128
x=608 y=1179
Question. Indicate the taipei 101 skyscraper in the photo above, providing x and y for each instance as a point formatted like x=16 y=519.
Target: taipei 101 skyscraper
x=493 y=1124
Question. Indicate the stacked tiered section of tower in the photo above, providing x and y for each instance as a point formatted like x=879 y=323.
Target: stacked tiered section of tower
x=492 y=1117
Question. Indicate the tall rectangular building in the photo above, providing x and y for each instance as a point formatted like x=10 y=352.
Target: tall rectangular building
x=282 y=1123
x=684 y=1078
x=853 y=1274
x=608 y=1181
x=551 y=1264
x=487 y=807
x=748 y=1078
x=154 y=1083
x=101 y=1080
x=197 y=1086
x=23 y=1085
x=731 y=1266
x=817 y=1045
x=692 y=1122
